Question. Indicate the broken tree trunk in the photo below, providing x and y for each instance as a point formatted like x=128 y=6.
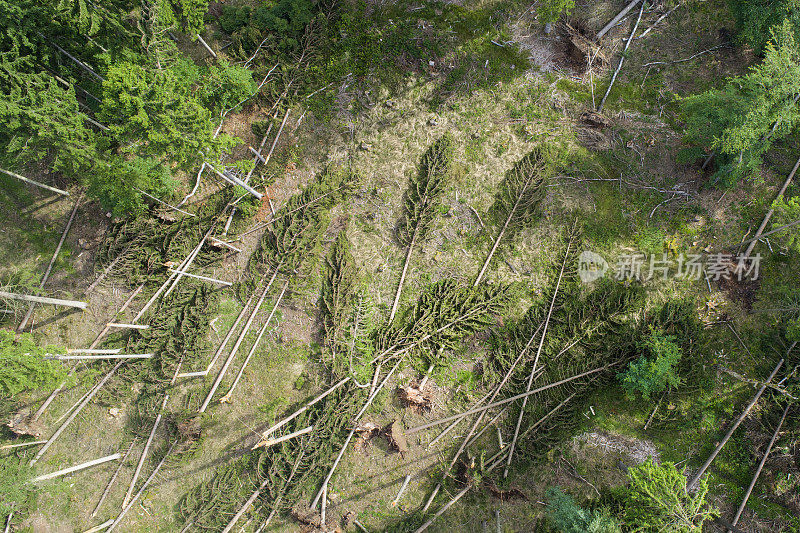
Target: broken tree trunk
x=143 y=457
x=227 y=397
x=507 y=400
x=50 y=265
x=536 y=359
x=769 y=214
x=616 y=19
x=32 y=182
x=42 y=300
x=233 y=180
x=402 y=277
x=621 y=59
x=278 y=425
x=39 y=412
x=235 y=348
x=760 y=467
x=211 y=52
x=733 y=427
x=76 y=468
x=224 y=343
x=272 y=442
x=113 y=478
x=77 y=410
x=203 y=278
x=141 y=491
x=352 y=432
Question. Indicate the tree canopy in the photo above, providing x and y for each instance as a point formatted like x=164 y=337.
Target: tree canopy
x=740 y=121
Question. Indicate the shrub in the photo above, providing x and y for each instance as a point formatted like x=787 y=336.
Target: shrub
x=566 y=516
x=657 y=500
x=23 y=366
x=654 y=372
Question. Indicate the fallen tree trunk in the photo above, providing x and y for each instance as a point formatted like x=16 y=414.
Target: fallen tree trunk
x=536 y=359
x=74 y=414
x=50 y=265
x=621 y=61
x=733 y=427
x=113 y=478
x=352 y=432
x=769 y=214
x=144 y=486
x=42 y=300
x=32 y=182
x=143 y=457
x=503 y=402
x=235 y=348
x=760 y=467
x=227 y=397
x=76 y=468
x=616 y=19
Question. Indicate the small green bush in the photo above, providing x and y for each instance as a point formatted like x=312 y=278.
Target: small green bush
x=656 y=371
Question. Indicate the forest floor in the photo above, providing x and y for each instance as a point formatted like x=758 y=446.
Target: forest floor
x=627 y=189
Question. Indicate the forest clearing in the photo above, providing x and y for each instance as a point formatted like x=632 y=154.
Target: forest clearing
x=343 y=265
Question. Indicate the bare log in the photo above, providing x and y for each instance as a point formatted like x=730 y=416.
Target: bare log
x=227 y=397
x=50 y=265
x=87 y=350
x=143 y=457
x=113 y=478
x=32 y=182
x=76 y=468
x=21 y=444
x=102 y=356
x=42 y=300
x=211 y=52
x=100 y=527
x=402 y=489
x=235 y=348
x=616 y=19
x=733 y=427
x=203 y=278
x=75 y=412
x=505 y=401
x=760 y=467
x=769 y=214
x=122 y=325
x=622 y=58
x=141 y=490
